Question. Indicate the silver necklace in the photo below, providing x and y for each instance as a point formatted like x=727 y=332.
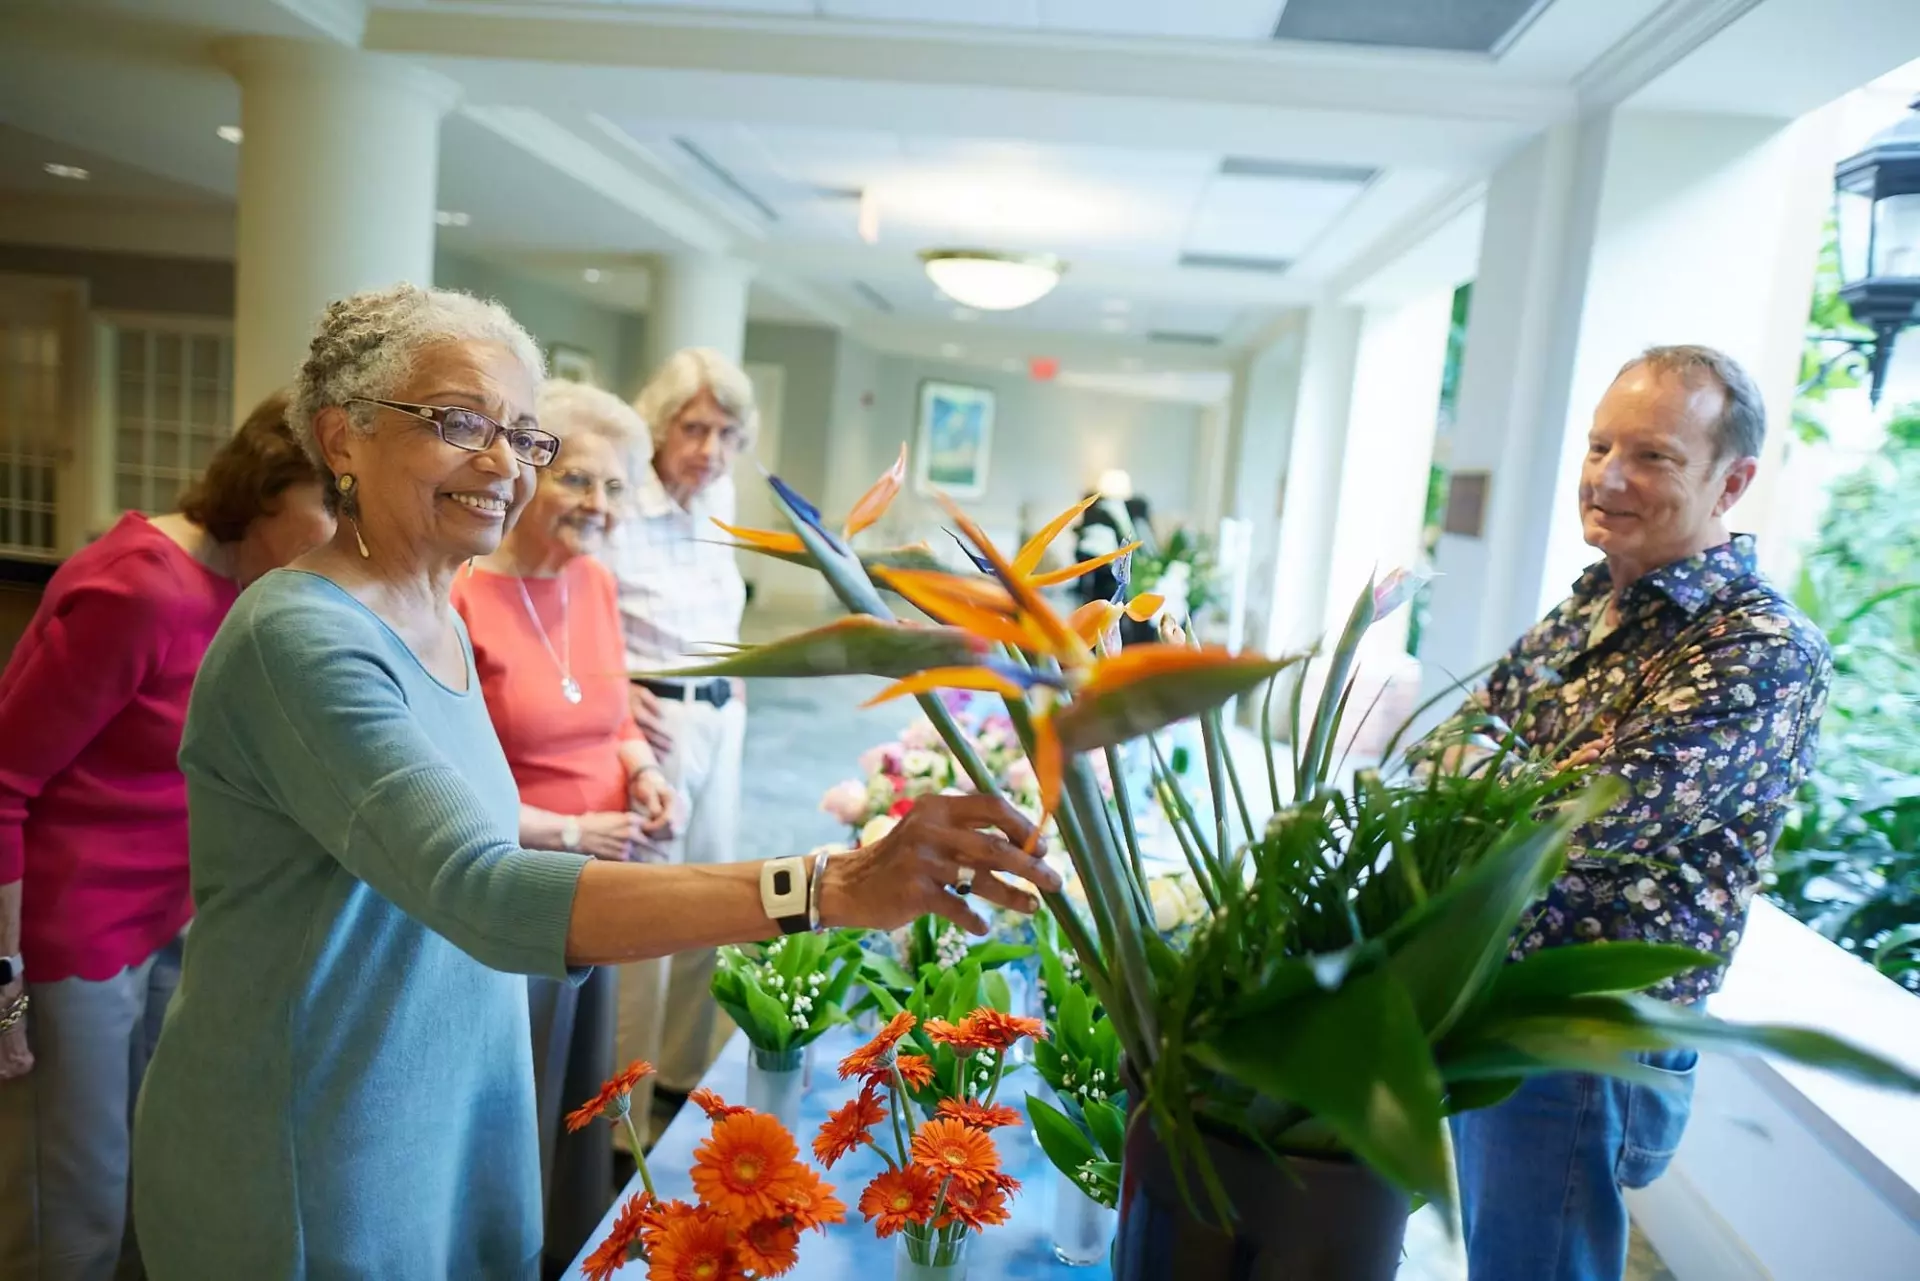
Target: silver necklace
x=569 y=687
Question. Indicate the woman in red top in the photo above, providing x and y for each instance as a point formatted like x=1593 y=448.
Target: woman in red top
x=93 y=831
x=544 y=621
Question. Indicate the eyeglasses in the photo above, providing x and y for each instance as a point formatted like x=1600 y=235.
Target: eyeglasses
x=732 y=438
x=585 y=482
x=472 y=430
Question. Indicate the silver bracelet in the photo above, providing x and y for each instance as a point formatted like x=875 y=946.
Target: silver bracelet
x=813 y=888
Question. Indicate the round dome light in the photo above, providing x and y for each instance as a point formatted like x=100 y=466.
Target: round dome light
x=992 y=281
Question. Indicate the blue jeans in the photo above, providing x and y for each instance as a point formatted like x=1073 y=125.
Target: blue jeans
x=1541 y=1172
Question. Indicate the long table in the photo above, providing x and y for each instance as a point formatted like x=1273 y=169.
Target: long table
x=1018 y=1250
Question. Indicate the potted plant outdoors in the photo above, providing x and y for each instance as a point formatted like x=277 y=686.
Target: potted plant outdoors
x=784 y=995
x=1292 y=1070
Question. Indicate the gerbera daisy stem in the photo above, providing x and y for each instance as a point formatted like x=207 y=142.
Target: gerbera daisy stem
x=639 y=1155
x=891 y=1163
x=899 y=1105
x=999 y=1073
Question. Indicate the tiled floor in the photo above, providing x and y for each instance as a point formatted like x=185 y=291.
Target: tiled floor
x=804 y=736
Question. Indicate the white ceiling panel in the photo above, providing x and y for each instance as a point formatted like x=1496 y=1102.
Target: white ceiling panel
x=1261 y=217
x=980 y=13
x=1189 y=19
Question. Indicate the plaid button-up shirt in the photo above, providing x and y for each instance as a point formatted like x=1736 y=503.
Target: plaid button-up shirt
x=680 y=588
x=1706 y=700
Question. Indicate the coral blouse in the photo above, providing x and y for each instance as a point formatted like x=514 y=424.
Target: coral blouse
x=564 y=755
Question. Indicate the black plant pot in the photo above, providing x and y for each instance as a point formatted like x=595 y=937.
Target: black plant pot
x=1306 y=1219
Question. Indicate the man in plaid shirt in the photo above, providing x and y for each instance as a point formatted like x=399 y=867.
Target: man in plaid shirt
x=680 y=592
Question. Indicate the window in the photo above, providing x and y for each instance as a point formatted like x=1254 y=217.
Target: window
x=39 y=321
x=169 y=385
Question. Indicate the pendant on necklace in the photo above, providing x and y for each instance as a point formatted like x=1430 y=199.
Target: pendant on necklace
x=570 y=688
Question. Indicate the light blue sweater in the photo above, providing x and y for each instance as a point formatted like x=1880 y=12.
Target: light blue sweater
x=344 y=1085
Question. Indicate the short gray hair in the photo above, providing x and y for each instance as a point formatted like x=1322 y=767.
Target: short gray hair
x=365 y=347
x=569 y=409
x=1741 y=429
x=686 y=374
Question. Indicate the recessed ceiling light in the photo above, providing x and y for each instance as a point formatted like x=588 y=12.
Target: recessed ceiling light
x=74 y=172
x=965 y=315
x=230 y=133
x=591 y=275
x=1114 y=324
x=1117 y=306
x=452 y=217
x=952 y=350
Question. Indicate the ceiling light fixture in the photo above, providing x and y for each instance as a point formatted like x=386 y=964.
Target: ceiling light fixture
x=452 y=217
x=230 y=133
x=75 y=172
x=591 y=275
x=992 y=281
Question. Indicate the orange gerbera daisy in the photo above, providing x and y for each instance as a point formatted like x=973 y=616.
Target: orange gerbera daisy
x=769 y=1248
x=612 y=1099
x=979 y=1115
x=693 y=1247
x=739 y=1167
x=616 y=1251
x=896 y=1198
x=998 y=1030
x=960 y=1036
x=806 y=1201
x=874 y=1053
x=977 y=1208
x=713 y=1105
x=951 y=1147
x=850 y=1125
x=915 y=1069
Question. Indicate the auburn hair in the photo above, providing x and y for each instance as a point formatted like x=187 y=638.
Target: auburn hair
x=249 y=472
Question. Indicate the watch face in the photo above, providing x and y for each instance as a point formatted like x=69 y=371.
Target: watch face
x=782 y=883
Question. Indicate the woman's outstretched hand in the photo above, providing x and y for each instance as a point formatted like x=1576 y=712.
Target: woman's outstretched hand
x=916 y=868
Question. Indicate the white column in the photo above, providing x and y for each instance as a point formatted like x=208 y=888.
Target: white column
x=1259 y=425
x=339 y=165
x=1605 y=236
x=698 y=300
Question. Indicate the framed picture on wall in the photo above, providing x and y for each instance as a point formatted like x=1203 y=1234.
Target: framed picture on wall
x=955 y=433
x=575 y=364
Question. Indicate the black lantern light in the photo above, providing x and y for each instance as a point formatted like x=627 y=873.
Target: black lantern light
x=1877 y=210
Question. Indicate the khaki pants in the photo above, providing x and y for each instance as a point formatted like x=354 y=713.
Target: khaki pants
x=667 y=1015
x=66 y=1126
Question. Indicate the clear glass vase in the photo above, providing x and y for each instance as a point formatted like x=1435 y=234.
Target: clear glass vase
x=927 y=1254
x=1082 y=1227
x=775 y=1082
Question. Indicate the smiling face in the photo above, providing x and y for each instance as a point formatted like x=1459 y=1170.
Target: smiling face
x=576 y=503
x=419 y=498
x=1654 y=485
x=698 y=447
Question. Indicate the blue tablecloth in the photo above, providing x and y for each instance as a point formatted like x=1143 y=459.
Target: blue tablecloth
x=1018 y=1250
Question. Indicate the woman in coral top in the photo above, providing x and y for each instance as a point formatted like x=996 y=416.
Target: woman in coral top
x=93 y=831
x=545 y=625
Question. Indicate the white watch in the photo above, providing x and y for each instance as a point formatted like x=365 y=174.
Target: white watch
x=783 y=893
x=570 y=834
x=12 y=969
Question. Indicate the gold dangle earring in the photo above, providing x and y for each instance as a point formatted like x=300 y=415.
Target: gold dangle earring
x=350 y=508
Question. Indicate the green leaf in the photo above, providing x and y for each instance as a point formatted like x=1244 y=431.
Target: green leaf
x=1584 y=968
x=855 y=646
x=1064 y=1143
x=1357 y=1059
x=1076 y=1019
x=1896 y=953
x=1465 y=1096
x=1444 y=953
x=884 y=971
x=1109 y=1127
x=999 y=995
x=1154 y=700
x=990 y=956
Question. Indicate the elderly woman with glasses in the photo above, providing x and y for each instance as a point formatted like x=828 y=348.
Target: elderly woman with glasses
x=545 y=627
x=343 y=1087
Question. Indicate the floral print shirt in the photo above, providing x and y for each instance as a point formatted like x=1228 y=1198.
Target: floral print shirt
x=1705 y=700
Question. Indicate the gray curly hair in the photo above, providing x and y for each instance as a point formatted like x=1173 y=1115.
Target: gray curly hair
x=365 y=347
x=687 y=373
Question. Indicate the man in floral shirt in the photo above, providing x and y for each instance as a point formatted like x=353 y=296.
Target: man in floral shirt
x=1677 y=668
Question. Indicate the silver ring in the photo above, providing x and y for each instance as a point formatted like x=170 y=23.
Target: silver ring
x=964 y=883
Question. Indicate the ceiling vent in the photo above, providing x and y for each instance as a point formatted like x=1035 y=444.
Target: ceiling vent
x=724 y=176
x=873 y=297
x=1235 y=262
x=1183 y=339
x=1288 y=170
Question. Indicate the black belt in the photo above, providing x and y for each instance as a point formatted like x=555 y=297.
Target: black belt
x=717 y=691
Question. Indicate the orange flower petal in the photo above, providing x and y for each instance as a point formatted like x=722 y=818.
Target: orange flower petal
x=1091 y=621
x=1144 y=606
x=1049 y=770
x=873 y=504
x=1140 y=661
x=1060 y=640
x=896 y=1198
x=981 y=678
x=765 y=539
x=941 y=598
x=957 y=1150
x=1034 y=549
x=1072 y=572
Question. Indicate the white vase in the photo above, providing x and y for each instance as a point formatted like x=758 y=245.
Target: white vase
x=775 y=1083
x=1082 y=1227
